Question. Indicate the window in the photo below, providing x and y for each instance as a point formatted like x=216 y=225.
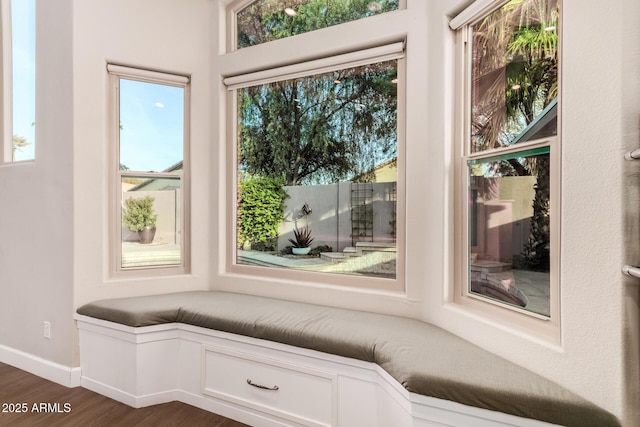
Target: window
x=510 y=159
x=267 y=20
x=18 y=80
x=150 y=169
x=317 y=195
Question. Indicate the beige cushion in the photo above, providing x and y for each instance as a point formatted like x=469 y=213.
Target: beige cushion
x=423 y=358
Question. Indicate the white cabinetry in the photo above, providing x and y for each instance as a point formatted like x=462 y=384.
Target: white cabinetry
x=293 y=392
x=290 y=386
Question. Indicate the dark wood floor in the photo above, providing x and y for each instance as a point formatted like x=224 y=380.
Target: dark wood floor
x=52 y=405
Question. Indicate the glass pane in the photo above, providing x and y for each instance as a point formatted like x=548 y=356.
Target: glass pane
x=151 y=221
x=267 y=20
x=515 y=74
x=151 y=126
x=318 y=155
x=509 y=229
x=23 y=61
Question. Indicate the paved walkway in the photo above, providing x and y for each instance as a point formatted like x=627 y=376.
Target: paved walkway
x=138 y=255
x=534 y=285
x=378 y=264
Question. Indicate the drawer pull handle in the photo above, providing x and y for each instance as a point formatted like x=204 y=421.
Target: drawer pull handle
x=263 y=387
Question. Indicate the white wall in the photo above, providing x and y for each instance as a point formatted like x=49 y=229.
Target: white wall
x=36 y=214
x=54 y=247
x=165 y=35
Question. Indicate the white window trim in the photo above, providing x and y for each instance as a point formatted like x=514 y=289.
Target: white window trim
x=115 y=73
x=319 y=66
x=547 y=329
x=232 y=18
x=476 y=10
x=310 y=68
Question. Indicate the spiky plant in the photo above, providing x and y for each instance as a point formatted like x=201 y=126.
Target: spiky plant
x=303 y=238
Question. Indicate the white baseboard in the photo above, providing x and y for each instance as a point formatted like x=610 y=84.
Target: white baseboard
x=110 y=392
x=127 y=398
x=199 y=401
x=61 y=374
x=229 y=410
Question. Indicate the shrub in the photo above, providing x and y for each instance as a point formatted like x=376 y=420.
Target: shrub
x=260 y=211
x=138 y=213
x=319 y=249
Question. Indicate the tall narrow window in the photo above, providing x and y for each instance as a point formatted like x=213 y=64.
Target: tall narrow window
x=18 y=79
x=510 y=158
x=150 y=138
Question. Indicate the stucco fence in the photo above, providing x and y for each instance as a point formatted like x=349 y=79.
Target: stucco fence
x=331 y=214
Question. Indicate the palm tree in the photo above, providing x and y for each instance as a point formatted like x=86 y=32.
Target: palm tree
x=18 y=142
x=515 y=70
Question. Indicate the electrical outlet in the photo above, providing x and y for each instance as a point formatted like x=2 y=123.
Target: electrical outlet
x=47 y=330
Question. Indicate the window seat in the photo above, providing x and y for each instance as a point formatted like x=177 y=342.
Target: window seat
x=424 y=359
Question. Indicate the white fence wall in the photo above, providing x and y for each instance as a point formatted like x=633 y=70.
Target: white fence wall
x=330 y=219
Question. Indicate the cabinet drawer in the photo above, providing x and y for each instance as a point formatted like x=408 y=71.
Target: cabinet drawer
x=296 y=393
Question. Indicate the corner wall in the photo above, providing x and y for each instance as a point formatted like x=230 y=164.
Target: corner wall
x=53 y=222
x=36 y=214
x=164 y=35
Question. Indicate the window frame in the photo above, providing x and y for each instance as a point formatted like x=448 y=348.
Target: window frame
x=115 y=73
x=546 y=328
x=238 y=5
x=316 y=66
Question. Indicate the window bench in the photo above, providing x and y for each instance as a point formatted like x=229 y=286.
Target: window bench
x=272 y=362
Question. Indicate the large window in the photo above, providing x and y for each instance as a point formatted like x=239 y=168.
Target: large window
x=150 y=134
x=510 y=159
x=267 y=20
x=316 y=159
x=18 y=33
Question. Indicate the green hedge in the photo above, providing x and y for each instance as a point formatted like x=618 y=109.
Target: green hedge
x=261 y=210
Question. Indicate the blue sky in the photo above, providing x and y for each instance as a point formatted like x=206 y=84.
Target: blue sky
x=23 y=63
x=152 y=125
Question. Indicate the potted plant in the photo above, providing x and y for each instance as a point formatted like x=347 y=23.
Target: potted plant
x=139 y=217
x=302 y=242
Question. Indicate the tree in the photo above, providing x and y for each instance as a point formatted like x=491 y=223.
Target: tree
x=19 y=142
x=266 y=20
x=515 y=69
x=322 y=128
x=536 y=252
